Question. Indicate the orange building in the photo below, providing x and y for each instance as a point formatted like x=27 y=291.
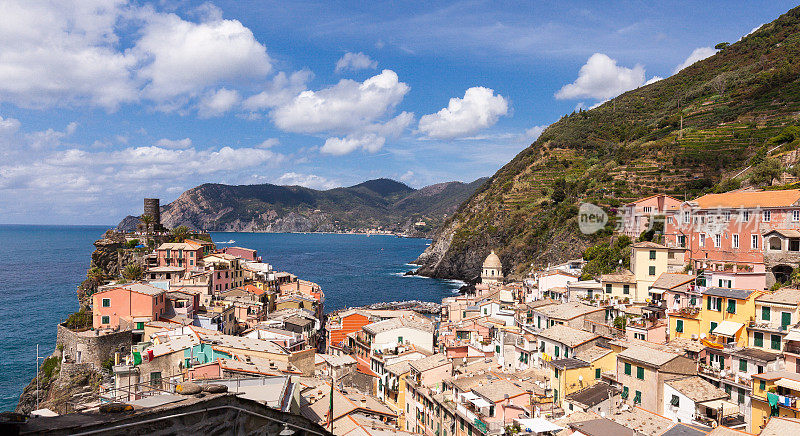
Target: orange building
x=343 y=324
x=128 y=306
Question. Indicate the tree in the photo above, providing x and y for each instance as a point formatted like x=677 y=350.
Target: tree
x=146 y=220
x=719 y=84
x=96 y=276
x=180 y=233
x=559 y=190
x=722 y=45
x=764 y=172
x=132 y=272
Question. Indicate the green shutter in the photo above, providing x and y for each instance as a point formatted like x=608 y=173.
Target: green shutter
x=743 y=365
x=637 y=399
x=731 y=305
x=624 y=392
x=627 y=368
x=762 y=384
x=597 y=373
x=679 y=326
x=786 y=319
x=713 y=325
x=652 y=270
x=652 y=254
x=626 y=289
x=775 y=342
x=640 y=373
x=608 y=289
x=758 y=339
x=765 y=313
x=708 y=303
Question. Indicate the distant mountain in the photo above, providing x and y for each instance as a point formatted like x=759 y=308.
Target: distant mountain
x=374 y=204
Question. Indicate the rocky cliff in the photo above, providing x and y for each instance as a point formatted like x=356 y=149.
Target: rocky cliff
x=725 y=122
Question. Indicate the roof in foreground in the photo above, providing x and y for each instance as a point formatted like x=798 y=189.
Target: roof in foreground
x=782 y=296
x=143 y=288
x=601 y=427
x=647 y=355
x=697 y=389
x=430 y=362
x=594 y=394
x=672 y=280
x=781 y=426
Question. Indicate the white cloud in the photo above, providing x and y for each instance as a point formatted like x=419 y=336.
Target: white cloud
x=653 y=79
x=185 y=57
x=279 y=91
x=342 y=107
x=218 y=102
x=339 y=146
x=698 y=54
x=49 y=139
x=312 y=181
x=177 y=144
x=534 y=132
x=8 y=126
x=355 y=62
x=753 y=30
x=479 y=109
x=268 y=143
x=602 y=78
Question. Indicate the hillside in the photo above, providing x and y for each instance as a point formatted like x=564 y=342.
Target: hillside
x=738 y=107
x=374 y=204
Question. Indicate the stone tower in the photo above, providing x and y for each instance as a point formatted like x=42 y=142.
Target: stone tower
x=152 y=207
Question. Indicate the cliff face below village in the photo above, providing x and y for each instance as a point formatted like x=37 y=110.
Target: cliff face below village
x=725 y=122
x=381 y=203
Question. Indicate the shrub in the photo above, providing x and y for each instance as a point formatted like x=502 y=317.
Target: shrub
x=79 y=320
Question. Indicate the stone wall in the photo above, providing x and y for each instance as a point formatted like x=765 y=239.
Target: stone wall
x=93 y=348
x=303 y=361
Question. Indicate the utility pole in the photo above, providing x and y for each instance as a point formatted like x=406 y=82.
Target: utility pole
x=37 y=375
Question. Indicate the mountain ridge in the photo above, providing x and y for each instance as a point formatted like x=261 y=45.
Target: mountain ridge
x=685 y=135
x=380 y=203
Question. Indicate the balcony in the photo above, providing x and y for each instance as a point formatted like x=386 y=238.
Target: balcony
x=768 y=326
x=685 y=312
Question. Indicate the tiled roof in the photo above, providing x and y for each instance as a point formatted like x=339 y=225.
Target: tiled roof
x=567 y=335
x=569 y=363
x=567 y=310
x=739 y=294
x=647 y=355
x=393 y=323
x=648 y=244
x=594 y=395
x=620 y=277
x=781 y=296
x=430 y=362
x=671 y=280
x=592 y=353
x=497 y=390
x=736 y=199
x=697 y=389
x=781 y=426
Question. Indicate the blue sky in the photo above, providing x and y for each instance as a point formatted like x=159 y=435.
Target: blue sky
x=105 y=102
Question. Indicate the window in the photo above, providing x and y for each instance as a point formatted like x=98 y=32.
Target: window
x=731 y=305
x=558 y=350
x=762 y=384
x=624 y=392
x=640 y=373
x=106 y=302
x=743 y=365
x=652 y=270
x=758 y=339
x=637 y=399
x=652 y=254
x=775 y=342
x=608 y=288
x=745 y=216
x=155 y=379
x=759 y=369
x=555 y=371
x=766 y=215
x=702 y=239
x=541 y=347
x=786 y=319
x=647 y=209
x=675 y=401
x=139 y=326
x=687 y=217
x=775 y=243
x=740 y=395
x=726 y=216
x=399 y=339
x=626 y=289
x=679 y=326
x=597 y=373
x=717 y=241
x=765 y=313
x=712 y=325
x=105 y=320
x=627 y=368
x=735 y=241
x=754 y=241
x=796 y=215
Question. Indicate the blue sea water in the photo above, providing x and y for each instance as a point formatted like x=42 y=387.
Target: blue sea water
x=43 y=265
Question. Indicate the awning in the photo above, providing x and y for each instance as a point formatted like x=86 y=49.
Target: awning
x=793 y=336
x=789 y=384
x=728 y=328
x=538 y=425
x=469 y=396
x=480 y=403
x=727 y=407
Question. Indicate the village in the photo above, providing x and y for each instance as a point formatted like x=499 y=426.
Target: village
x=699 y=335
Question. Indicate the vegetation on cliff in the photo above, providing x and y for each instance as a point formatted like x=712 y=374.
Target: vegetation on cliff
x=727 y=121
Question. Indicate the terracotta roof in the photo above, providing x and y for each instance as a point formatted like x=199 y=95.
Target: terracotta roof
x=592 y=353
x=736 y=199
x=496 y=390
x=567 y=310
x=624 y=276
x=782 y=296
x=567 y=335
x=430 y=362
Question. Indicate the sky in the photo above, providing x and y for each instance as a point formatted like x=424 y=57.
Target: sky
x=103 y=103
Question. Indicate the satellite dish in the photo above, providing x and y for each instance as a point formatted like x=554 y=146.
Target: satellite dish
x=602 y=414
x=580 y=378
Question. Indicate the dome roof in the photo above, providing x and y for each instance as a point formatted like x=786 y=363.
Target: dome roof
x=492 y=261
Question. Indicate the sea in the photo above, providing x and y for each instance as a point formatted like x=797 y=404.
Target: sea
x=43 y=266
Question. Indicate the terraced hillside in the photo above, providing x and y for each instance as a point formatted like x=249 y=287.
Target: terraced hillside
x=717 y=124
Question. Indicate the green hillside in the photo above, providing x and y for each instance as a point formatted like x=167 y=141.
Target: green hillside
x=737 y=108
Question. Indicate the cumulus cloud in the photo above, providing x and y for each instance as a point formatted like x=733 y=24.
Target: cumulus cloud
x=50 y=138
x=534 y=132
x=355 y=62
x=478 y=109
x=601 y=78
x=176 y=144
x=279 y=91
x=698 y=54
x=218 y=102
x=268 y=143
x=341 y=107
x=312 y=181
x=338 y=146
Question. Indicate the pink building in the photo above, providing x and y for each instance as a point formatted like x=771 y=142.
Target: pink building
x=180 y=254
x=739 y=232
x=242 y=253
x=637 y=215
x=128 y=306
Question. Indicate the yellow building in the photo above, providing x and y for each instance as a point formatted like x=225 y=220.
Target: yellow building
x=783 y=387
x=724 y=314
x=395 y=396
x=572 y=375
x=648 y=261
x=619 y=286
